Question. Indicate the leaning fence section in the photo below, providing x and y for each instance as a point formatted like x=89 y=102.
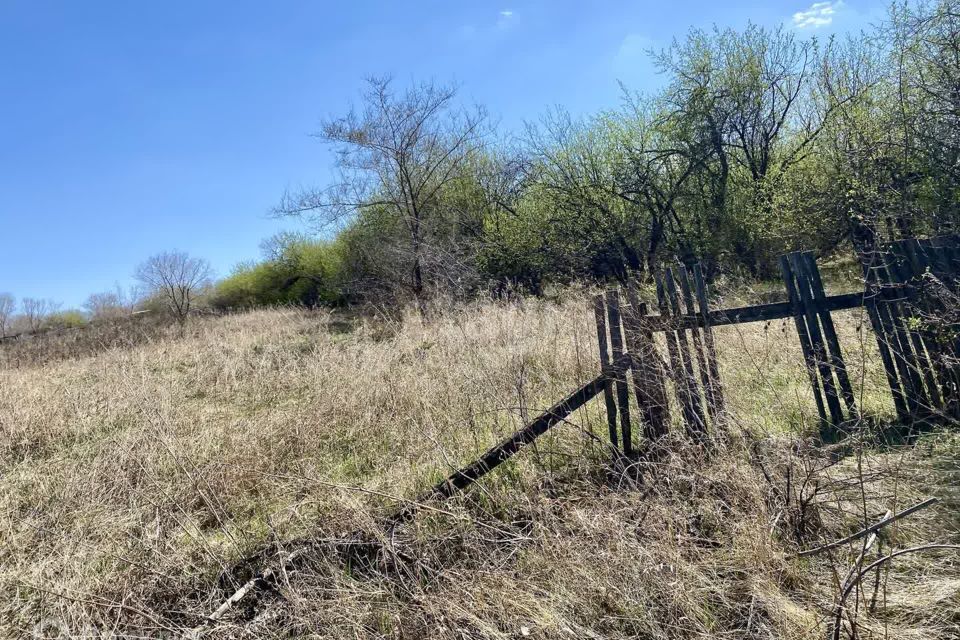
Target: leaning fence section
x=911 y=294
x=910 y=291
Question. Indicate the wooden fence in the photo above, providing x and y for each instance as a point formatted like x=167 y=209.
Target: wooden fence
x=907 y=296
x=911 y=297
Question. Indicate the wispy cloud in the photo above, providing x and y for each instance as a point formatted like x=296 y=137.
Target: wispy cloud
x=506 y=13
x=820 y=14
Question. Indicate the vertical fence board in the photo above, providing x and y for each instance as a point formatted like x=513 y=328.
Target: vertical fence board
x=699 y=348
x=878 y=320
x=681 y=390
x=805 y=346
x=917 y=400
x=616 y=350
x=804 y=290
x=689 y=377
x=600 y=313
x=902 y=272
x=651 y=391
x=716 y=388
x=809 y=265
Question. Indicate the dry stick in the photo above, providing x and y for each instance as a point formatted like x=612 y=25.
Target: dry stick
x=873 y=565
x=456 y=481
x=868 y=544
x=874 y=527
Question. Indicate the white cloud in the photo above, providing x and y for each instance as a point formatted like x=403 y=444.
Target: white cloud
x=506 y=13
x=820 y=14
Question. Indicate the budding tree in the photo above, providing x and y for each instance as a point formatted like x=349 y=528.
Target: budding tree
x=7 y=307
x=176 y=278
x=36 y=310
x=396 y=157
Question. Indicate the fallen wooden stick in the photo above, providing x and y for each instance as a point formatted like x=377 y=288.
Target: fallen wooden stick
x=838 y=619
x=455 y=482
x=497 y=455
x=864 y=532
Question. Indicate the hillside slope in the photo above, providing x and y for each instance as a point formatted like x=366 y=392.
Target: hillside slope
x=139 y=487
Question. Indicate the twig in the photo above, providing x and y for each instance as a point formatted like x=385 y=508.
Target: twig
x=874 y=527
x=838 y=620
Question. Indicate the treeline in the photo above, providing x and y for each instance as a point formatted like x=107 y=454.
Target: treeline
x=759 y=143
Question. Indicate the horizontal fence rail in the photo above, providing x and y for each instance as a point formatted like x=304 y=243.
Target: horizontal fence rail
x=919 y=355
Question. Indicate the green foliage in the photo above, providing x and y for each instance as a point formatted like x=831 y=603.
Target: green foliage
x=69 y=319
x=296 y=271
x=760 y=143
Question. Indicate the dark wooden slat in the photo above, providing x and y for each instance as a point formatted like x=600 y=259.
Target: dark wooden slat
x=716 y=387
x=699 y=349
x=809 y=265
x=800 y=322
x=673 y=350
x=505 y=450
x=917 y=399
x=600 y=313
x=804 y=289
x=753 y=313
x=902 y=270
x=648 y=370
x=620 y=374
x=689 y=377
x=873 y=305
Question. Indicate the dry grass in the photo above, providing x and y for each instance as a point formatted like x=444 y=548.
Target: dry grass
x=134 y=481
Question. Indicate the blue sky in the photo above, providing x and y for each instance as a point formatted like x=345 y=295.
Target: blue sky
x=128 y=128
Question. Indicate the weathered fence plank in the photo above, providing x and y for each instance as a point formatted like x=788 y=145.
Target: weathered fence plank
x=801 y=325
x=715 y=391
x=619 y=373
x=809 y=265
x=605 y=369
x=821 y=358
x=649 y=373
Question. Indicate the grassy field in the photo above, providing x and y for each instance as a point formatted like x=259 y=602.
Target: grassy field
x=135 y=481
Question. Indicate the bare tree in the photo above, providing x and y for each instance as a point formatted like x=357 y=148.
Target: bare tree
x=7 y=307
x=36 y=310
x=106 y=305
x=396 y=157
x=175 y=277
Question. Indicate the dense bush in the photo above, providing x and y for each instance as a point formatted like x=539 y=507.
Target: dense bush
x=68 y=319
x=295 y=270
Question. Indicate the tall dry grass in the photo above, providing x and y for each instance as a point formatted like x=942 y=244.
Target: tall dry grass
x=133 y=482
